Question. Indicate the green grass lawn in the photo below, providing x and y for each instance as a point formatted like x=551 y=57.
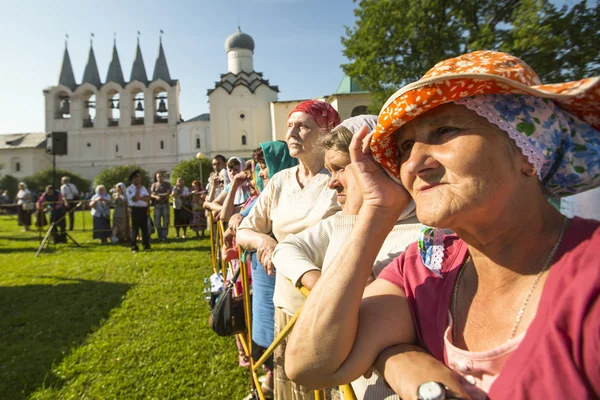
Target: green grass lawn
x=98 y=322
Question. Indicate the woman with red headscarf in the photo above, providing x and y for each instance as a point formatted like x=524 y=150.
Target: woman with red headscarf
x=293 y=200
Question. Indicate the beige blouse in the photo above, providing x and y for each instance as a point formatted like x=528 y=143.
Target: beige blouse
x=284 y=208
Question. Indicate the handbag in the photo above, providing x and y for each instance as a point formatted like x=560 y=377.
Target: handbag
x=227 y=316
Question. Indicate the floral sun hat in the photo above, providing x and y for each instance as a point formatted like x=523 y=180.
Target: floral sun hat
x=469 y=78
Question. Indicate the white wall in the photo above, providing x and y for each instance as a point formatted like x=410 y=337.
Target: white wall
x=31 y=160
x=228 y=126
x=239 y=60
x=187 y=133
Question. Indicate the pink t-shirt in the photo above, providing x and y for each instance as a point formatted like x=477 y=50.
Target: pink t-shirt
x=559 y=357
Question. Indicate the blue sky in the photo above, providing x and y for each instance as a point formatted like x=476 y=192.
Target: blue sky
x=297 y=46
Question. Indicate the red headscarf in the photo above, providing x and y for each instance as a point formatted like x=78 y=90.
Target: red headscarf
x=323 y=113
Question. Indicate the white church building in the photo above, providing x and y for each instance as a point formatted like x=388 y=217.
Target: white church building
x=119 y=121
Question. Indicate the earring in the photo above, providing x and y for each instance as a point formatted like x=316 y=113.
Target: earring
x=530 y=173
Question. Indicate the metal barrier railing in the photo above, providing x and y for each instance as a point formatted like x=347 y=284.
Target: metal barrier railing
x=347 y=392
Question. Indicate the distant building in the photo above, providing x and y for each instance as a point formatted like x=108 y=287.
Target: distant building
x=23 y=154
x=119 y=121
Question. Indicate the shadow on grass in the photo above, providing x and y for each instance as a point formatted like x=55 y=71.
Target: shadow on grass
x=41 y=324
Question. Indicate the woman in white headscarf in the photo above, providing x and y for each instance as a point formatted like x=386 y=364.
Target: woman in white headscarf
x=25 y=206
x=121 y=231
x=100 y=210
x=234 y=167
x=302 y=257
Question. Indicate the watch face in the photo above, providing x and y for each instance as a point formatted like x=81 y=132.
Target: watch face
x=431 y=391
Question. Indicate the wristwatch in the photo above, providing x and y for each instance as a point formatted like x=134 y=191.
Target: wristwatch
x=434 y=391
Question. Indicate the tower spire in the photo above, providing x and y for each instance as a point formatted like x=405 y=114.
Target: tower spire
x=66 y=76
x=138 y=70
x=161 y=68
x=115 y=73
x=91 y=74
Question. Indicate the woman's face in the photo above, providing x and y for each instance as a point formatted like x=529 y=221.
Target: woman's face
x=302 y=134
x=234 y=171
x=336 y=162
x=21 y=187
x=264 y=172
x=458 y=167
x=101 y=190
x=119 y=190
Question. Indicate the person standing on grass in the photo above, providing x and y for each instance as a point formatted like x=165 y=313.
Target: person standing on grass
x=100 y=210
x=180 y=195
x=138 y=198
x=121 y=228
x=160 y=192
x=24 y=206
x=70 y=195
x=52 y=201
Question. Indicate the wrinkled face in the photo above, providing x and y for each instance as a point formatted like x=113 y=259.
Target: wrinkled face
x=264 y=172
x=458 y=167
x=336 y=162
x=101 y=190
x=217 y=165
x=302 y=134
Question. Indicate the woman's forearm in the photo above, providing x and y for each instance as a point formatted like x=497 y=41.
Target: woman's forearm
x=324 y=346
x=228 y=208
x=249 y=239
x=406 y=366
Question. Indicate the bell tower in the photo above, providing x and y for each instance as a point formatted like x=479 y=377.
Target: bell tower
x=116 y=122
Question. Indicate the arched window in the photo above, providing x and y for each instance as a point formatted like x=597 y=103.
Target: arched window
x=161 y=112
x=360 y=110
x=162 y=145
x=89 y=110
x=114 y=112
x=138 y=107
x=197 y=142
x=243 y=140
x=62 y=106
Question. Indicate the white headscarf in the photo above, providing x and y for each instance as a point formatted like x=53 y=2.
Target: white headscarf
x=354 y=124
x=241 y=193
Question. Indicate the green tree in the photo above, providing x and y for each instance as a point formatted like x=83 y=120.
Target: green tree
x=109 y=177
x=44 y=177
x=10 y=183
x=189 y=170
x=394 y=42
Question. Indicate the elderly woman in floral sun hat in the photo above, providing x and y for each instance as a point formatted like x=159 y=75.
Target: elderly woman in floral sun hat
x=502 y=291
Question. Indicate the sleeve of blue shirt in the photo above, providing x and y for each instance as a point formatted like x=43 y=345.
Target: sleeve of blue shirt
x=244 y=213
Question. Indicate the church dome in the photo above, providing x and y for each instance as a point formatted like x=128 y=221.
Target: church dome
x=239 y=40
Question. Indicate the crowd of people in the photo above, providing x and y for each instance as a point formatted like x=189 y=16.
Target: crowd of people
x=121 y=214
x=438 y=266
